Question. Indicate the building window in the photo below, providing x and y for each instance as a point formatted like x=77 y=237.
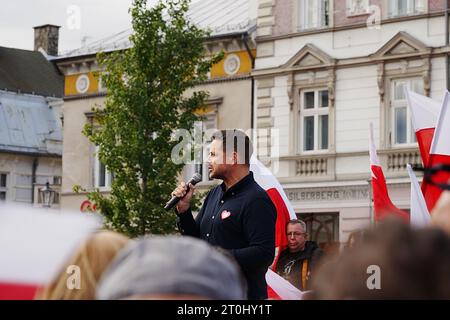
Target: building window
x=101 y=84
x=402 y=130
x=357 y=7
x=3 y=186
x=313 y=14
x=314 y=120
x=103 y=178
x=57 y=180
x=201 y=152
x=398 y=8
x=322 y=228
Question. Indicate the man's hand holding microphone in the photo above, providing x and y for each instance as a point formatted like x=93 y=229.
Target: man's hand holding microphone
x=182 y=195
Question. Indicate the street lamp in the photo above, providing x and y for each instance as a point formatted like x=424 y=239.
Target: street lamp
x=48 y=195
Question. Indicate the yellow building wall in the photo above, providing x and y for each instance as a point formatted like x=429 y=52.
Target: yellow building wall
x=70 y=81
x=218 y=70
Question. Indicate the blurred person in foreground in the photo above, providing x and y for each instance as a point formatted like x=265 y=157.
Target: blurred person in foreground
x=299 y=260
x=92 y=259
x=391 y=261
x=440 y=217
x=172 y=268
x=238 y=214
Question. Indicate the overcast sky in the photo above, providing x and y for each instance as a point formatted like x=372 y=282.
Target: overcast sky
x=96 y=19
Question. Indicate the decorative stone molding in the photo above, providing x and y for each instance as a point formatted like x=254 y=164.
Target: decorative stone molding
x=265 y=20
x=291 y=90
x=380 y=81
x=314 y=167
x=398 y=159
x=264 y=121
x=402 y=56
x=309 y=57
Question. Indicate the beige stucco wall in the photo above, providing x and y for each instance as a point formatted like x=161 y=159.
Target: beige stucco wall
x=77 y=151
x=235 y=110
x=78 y=160
x=19 y=169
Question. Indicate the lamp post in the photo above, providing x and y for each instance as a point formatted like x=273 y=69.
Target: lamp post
x=48 y=195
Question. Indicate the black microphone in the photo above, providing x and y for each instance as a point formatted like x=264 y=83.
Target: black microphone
x=172 y=202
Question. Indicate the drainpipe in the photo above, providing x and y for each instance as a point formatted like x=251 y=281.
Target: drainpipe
x=33 y=178
x=252 y=58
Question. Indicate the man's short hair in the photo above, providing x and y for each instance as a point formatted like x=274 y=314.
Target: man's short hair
x=237 y=141
x=297 y=221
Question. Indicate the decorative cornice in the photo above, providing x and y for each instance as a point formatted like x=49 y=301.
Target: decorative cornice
x=260 y=39
x=352 y=62
x=85 y=96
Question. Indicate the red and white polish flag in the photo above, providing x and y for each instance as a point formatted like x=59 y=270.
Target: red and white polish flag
x=420 y=216
x=424 y=113
x=285 y=211
x=383 y=205
x=35 y=245
x=439 y=154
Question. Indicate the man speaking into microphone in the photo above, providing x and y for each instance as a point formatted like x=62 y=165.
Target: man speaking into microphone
x=237 y=215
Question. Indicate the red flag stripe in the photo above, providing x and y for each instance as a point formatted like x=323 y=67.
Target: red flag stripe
x=382 y=203
x=11 y=291
x=424 y=139
x=432 y=193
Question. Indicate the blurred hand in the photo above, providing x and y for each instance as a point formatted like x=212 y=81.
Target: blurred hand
x=181 y=192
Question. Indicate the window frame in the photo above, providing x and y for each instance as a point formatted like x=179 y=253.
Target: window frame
x=191 y=168
x=4 y=189
x=316 y=112
x=412 y=8
x=323 y=15
x=108 y=174
x=397 y=104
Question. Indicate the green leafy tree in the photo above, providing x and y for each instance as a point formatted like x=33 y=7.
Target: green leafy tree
x=144 y=105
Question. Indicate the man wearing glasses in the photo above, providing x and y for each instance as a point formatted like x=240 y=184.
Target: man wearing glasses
x=300 y=258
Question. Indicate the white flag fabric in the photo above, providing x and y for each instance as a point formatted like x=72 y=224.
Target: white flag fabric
x=35 y=244
x=419 y=215
x=284 y=289
x=424 y=113
x=285 y=211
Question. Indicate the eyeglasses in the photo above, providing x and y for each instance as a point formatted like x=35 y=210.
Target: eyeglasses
x=430 y=175
x=296 y=234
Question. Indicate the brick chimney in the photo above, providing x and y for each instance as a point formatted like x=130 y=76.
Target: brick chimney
x=46 y=37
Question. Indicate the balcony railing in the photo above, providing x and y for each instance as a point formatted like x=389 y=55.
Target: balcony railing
x=397 y=160
x=309 y=167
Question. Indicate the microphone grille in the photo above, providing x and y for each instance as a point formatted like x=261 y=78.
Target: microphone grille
x=196 y=178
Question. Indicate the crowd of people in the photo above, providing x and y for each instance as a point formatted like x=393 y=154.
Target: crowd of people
x=224 y=252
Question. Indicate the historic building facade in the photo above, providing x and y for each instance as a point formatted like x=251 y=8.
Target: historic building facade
x=233 y=25
x=30 y=127
x=324 y=70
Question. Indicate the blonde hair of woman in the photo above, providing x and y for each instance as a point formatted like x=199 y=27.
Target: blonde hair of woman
x=92 y=259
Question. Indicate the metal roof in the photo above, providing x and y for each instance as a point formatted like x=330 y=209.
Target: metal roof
x=28 y=125
x=222 y=17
